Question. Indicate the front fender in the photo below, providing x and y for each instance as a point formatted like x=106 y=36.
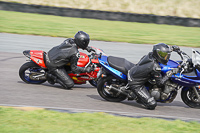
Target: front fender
x=185 y=88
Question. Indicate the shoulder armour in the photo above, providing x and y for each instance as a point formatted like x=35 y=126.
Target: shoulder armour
x=70 y=40
x=74 y=51
x=145 y=59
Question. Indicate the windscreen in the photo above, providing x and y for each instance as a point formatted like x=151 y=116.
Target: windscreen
x=195 y=57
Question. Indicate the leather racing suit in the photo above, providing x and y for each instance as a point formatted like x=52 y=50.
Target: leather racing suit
x=58 y=56
x=138 y=75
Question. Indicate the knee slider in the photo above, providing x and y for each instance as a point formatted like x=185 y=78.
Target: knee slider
x=151 y=103
x=70 y=85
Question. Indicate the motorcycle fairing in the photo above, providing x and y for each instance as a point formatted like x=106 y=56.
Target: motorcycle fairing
x=188 y=81
x=36 y=56
x=170 y=64
x=83 y=59
x=81 y=78
x=78 y=80
x=183 y=79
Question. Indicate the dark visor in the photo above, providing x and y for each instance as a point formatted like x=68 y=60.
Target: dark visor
x=163 y=55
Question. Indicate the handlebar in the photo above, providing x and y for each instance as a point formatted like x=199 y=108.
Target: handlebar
x=185 y=64
x=181 y=53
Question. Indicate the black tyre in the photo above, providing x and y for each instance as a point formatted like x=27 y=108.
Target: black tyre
x=27 y=70
x=189 y=98
x=109 y=95
x=93 y=83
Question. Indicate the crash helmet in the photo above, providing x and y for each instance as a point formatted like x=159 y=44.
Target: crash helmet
x=82 y=39
x=161 y=52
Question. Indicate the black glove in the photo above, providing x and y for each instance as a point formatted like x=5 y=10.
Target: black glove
x=88 y=69
x=169 y=73
x=89 y=49
x=175 y=48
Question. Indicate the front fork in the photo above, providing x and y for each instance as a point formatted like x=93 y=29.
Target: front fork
x=196 y=93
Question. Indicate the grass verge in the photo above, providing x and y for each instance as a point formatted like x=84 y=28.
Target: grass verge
x=141 y=33
x=18 y=121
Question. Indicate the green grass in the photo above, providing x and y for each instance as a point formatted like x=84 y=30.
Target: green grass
x=43 y=121
x=56 y=26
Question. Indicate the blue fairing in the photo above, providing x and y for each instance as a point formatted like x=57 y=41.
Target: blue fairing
x=171 y=64
x=187 y=81
x=104 y=63
x=182 y=79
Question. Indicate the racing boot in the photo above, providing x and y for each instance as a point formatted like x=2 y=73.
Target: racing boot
x=145 y=98
x=51 y=78
x=63 y=78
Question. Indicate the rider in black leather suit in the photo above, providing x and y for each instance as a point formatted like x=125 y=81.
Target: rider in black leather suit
x=67 y=52
x=146 y=68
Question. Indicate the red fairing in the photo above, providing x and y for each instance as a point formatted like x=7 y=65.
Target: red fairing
x=95 y=61
x=83 y=60
x=38 y=57
x=83 y=77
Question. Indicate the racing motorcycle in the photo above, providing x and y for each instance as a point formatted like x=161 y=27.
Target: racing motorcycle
x=35 y=71
x=113 y=84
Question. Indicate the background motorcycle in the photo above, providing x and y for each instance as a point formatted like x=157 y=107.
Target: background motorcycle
x=35 y=71
x=113 y=84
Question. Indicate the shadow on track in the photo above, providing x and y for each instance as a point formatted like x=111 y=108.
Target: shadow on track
x=58 y=86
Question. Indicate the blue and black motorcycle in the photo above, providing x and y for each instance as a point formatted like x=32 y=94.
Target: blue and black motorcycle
x=113 y=84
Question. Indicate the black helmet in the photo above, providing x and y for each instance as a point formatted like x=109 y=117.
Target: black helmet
x=81 y=39
x=161 y=52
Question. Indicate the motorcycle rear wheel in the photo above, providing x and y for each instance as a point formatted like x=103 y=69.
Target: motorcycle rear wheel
x=188 y=96
x=107 y=94
x=25 y=71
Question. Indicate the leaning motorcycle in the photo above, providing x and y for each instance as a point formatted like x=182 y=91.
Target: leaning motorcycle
x=35 y=71
x=113 y=84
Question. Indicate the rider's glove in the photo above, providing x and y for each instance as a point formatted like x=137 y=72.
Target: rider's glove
x=172 y=72
x=175 y=70
x=175 y=48
x=89 y=49
x=169 y=73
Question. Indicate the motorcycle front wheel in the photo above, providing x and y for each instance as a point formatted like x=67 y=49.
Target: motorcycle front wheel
x=107 y=94
x=93 y=83
x=189 y=98
x=29 y=70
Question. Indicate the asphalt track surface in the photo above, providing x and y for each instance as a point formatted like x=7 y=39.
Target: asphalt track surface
x=83 y=98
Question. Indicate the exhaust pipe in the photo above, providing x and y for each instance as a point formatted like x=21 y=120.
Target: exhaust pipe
x=38 y=76
x=117 y=90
